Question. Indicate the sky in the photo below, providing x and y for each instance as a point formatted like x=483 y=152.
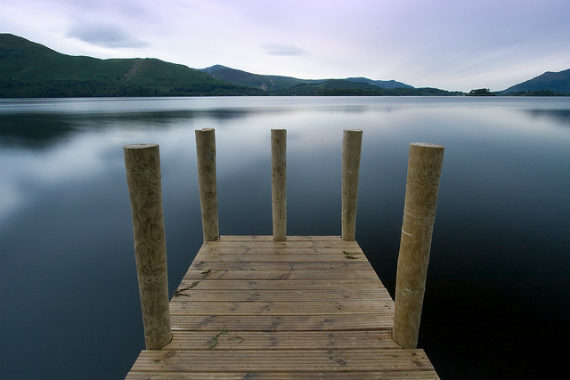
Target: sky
x=449 y=44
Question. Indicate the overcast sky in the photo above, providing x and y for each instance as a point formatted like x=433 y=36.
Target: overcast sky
x=450 y=44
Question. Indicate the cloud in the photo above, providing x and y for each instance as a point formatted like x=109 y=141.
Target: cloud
x=277 y=49
x=105 y=35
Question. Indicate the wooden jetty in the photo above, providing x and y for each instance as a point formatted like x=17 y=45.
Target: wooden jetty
x=281 y=307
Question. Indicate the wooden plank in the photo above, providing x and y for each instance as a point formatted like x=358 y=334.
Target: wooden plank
x=294 y=266
x=275 y=250
x=342 y=244
x=354 y=375
x=282 y=360
x=227 y=274
x=282 y=323
x=281 y=295
x=278 y=340
x=252 y=308
x=256 y=238
x=279 y=257
x=376 y=306
x=280 y=284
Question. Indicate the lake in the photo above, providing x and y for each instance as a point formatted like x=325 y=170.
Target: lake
x=496 y=303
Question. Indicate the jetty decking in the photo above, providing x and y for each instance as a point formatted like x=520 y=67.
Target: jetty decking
x=305 y=308
x=297 y=307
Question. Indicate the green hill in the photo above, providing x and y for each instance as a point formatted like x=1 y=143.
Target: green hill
x=549 y=83
x=28 y=69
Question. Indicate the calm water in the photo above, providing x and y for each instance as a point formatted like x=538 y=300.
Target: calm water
x=496 y=303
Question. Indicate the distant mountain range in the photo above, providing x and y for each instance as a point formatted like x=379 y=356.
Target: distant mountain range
x=28 y=69
x=276 y=83
x=263 y=82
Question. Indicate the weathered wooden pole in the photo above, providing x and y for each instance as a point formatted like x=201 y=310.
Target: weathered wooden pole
x=206 y=152
x=279 y=183
x=424 y=169
x=351 y=148
x=142 y=162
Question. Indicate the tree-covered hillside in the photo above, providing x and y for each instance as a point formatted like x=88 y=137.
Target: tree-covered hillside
x=343 y=87
x=28 y=69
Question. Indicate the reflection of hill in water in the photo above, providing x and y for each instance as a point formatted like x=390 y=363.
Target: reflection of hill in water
x=34 y=130
x=561 y=117
x=38 y=130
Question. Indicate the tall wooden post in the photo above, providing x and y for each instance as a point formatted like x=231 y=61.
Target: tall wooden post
x=424 y=169
x=279 y=183
x=351 y=148
x=206 y=152
x=143 y=176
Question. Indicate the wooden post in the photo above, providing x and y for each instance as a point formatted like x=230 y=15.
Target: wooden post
x=424 y=169
x=279 y=183
x=143 y=176
x=351 y=148
x=206 y=152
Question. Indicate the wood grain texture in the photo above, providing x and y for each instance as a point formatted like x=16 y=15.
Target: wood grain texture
x=284 y=360
x=353 y=375
x=293 y=266
x=304 y=308
x=351 y=148
x=282 y=340
x=279 y=183
x=142 y=164
x=254 y=238
x=280 y=295
x=297 y=244
x=280 y=284
x=424 y=170
x=277 y=308
x=303 y=322
x=289 y=256
x=206 y=160
x=289 y=274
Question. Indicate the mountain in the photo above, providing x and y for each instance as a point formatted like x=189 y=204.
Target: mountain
x=343 y=87
x=264 y=82
x=275 y=84
x=380 y=83
x=548 y=83
x=28 y=69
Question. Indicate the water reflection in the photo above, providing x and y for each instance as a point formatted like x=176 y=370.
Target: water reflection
x=33 y=130
x=500 y=242
x=39 y=130
x=560 y=116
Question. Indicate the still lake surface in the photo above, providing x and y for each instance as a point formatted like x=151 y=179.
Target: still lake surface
x=496 y=303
